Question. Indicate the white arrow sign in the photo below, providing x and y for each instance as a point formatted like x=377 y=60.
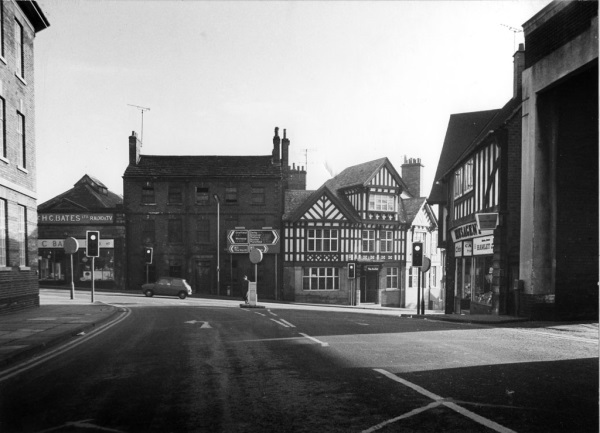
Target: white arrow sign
x=204 y=324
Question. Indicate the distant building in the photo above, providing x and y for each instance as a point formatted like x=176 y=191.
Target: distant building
x=21 y=21
x=185 y=207
x=89 y=205
x=559 y=195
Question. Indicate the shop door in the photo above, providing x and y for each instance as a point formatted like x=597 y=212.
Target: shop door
x=203 y=278
x=370 y=286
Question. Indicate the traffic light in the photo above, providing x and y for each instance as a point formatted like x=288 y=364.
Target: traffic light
x=92 y=245
x=148 y=251
x=417 y=254
x=351 y=270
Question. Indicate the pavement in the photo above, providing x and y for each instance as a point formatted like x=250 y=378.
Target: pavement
x=25 y=333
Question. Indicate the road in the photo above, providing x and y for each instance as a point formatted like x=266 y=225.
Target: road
x=208 y=365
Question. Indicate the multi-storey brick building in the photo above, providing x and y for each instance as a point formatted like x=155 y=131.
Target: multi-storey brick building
x=477 y=187
x=89 y=205
x=19 y=23
x=185 y=208
x=559 y=194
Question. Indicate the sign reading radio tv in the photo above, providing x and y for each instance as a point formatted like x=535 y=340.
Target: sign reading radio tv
x=241 y=241
x=75 y=218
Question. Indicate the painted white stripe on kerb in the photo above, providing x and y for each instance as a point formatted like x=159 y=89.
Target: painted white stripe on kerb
x=439 y=400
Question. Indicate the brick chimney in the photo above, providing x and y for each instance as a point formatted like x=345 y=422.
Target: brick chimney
x=412 y=170
x=285 y=149
x=134 y=149
x=276 y=143
x=519 y=66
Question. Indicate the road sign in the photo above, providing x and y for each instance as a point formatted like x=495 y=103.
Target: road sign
x=256 y=255
x=241 y=241
x=71 y=246
x=426 y=264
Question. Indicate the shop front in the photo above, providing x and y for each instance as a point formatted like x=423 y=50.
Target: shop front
x=55 y=264
x=473 y=291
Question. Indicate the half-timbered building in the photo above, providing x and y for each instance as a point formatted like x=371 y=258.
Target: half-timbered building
x=353 y=219
x=477 y=186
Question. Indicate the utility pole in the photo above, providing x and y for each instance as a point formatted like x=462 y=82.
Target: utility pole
x=142 y=109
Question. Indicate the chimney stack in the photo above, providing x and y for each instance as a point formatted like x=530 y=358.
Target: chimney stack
x=134 y=149
x=519 y=66
x=285 y=148
x=276 y=143
x=412 y=171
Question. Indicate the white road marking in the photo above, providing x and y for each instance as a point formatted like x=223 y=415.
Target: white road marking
x=406 y=415
x=323 y=344
x=288 y=323
x=438 y=401
x=280 y=323
x=204 y=324
x=37 y=360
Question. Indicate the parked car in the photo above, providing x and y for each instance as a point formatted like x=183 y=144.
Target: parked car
x=168 y=286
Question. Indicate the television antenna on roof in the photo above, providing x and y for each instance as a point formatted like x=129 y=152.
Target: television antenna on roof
x=142 y=109
x=515 y=31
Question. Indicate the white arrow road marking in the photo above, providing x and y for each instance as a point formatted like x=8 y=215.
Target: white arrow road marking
x=205 y=325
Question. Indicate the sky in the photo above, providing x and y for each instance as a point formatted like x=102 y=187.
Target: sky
x=350 y=81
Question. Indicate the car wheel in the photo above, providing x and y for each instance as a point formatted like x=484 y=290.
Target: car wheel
x=149 y=293
x=182 y=295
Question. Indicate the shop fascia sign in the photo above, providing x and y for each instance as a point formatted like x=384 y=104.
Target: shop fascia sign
x=75 y=218
x=484 y=225
x=241 y=241
x=60 y=243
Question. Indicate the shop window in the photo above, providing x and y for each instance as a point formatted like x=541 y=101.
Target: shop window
x=148 y=196
x=175 y=194
x=231 y=195
x=391 y=278
x=368 y=241
x=386 y=241
x=320 y=279
x=3 y=125
x=482 y=280
x=382 y=202
x=258 y=195
x=175 y=231
x=463 y=282
x=203 y=231
x=22 y=236
x=202 y=196
x=322 y=240
x=148 y=232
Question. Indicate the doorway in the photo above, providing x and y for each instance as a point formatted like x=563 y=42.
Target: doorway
x=203 y=278
x=369 y=287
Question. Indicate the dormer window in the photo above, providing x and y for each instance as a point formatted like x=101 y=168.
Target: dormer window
x=382 y=202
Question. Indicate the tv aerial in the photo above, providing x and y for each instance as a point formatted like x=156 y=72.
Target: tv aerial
x=515 y=31
x=142 y=109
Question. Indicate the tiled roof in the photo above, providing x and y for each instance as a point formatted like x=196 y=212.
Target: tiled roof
x=83 y=196
x=462 y=129
x=293 y=200
x=356 y=175
x=204 y=166
x=412 y=207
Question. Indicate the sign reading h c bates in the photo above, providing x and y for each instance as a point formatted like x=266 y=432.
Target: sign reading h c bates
x=75 y=218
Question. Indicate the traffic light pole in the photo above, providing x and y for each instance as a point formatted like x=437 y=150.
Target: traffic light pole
x=419 y=291
x=93 y=278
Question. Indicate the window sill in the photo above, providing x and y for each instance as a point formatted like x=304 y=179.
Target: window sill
x=24 y=268
x=5 y=160
x=5 y=269
x=23 y=169
x=3 y=60
x=148 y=204
x=21 y=79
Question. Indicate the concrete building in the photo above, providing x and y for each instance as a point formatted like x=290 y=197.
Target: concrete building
x=202 y=214
x=559 y=195
x=89 y=205
x=20 y=21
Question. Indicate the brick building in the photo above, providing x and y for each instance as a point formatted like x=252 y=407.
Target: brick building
x=559 y=194
x=89 y=205
x=477 y=187
x=19 y=24
x=185 y=208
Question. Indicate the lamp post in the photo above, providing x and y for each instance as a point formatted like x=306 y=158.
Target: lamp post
x=218 y=243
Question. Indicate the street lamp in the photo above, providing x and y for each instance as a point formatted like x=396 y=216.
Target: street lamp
x=218 y=243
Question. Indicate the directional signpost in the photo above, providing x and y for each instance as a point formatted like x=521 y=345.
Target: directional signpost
x=242 y=241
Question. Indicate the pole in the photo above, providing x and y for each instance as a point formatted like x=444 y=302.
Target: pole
x=276 y=291
x=72 y=280
x=418 y=290
x=218 y=245
x=422 y=293
x=93 y=279
x=147 y=272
